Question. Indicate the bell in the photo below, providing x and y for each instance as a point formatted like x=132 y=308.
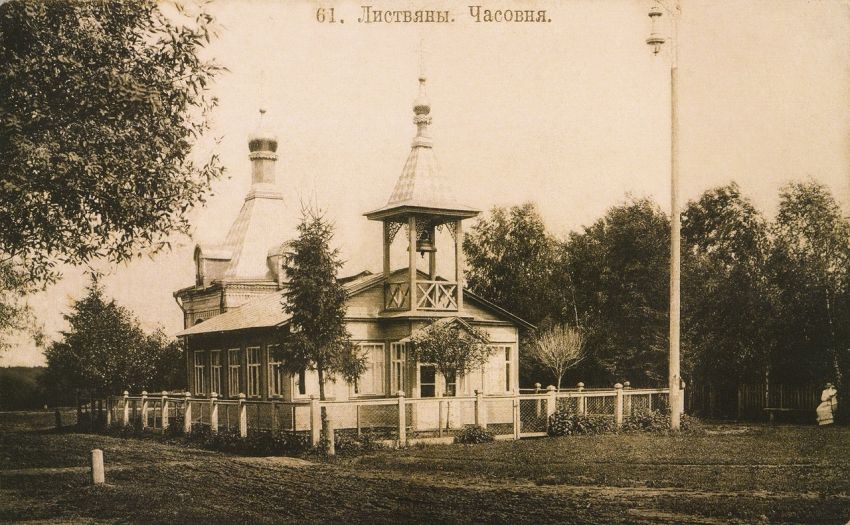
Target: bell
x=425 y=245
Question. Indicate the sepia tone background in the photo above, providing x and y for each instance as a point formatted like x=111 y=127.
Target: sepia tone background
x=572 y=114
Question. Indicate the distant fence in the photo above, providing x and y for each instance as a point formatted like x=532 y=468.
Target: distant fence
x=752 y=401
x=400 y=419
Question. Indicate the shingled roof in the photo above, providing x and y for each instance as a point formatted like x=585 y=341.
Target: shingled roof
x=421 y=184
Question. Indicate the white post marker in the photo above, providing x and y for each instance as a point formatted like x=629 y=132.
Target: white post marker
x=126 y=415
x=402 y=420
x=243 y=416
x=97 y=475
x=163 y=409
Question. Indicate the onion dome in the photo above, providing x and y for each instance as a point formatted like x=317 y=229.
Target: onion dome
x=262 y=139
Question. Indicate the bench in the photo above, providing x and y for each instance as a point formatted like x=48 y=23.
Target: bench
x=773 y=410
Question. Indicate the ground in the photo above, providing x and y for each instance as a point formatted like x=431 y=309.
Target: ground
x=732 y=474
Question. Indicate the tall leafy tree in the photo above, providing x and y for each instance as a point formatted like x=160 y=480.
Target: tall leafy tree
x=619 y=267
x=727 y=301
x=105 y=352
x=510 y=262
x=317 y=338
x=810 y=262
x=100 y=106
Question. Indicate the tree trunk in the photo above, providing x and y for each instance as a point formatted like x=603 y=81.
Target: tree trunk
x=321 y=382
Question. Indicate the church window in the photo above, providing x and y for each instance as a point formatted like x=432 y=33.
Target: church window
x=200 y=376
x=371 y=382
x=215 y=371
x=253 y=359
x=275 y=372
x=397 y=358
x=234 y=372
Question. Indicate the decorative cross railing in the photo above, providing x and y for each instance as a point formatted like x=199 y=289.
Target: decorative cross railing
x=436 y=295
x=397 y=296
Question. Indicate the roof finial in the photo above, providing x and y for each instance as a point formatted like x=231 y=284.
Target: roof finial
x=421 y=106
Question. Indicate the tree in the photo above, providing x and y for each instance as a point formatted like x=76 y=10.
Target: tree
x=105 y=352
x=558 y=349
x=619 y=267
x=317 y=339
x=810 y=265
x=728 y=302
x=453 y=348
x=100 y=106
x=510 y=259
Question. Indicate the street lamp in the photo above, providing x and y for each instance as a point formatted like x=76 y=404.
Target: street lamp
x=656 y=40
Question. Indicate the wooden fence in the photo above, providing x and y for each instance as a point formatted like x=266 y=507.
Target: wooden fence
x=753 y=401
x=398 y=419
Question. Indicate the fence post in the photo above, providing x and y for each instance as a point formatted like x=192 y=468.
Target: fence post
x=582 y=401
x=627 y=399
x=551 y=401
x=163 y=404
x=682 y=398
x=108 y=411
x=516 y=417
x=187 y=414
x=214 y=412
x=315 y=421
x=479 y=409
x=243 y=416
x=125 y=418
x=58 y=415
x=144 y=409
x=329 y=430
x=618 y=405
x=357 y=419
x=537 y=408
x=402 y=420
x=439 y=417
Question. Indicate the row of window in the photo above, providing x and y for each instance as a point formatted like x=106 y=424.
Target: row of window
x=234 y=368
x=371 y=382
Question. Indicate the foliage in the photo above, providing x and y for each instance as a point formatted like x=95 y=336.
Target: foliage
x=558 y=349
x=646 y=421
x=106 y=352
x=620 y=267
x=454 y=348
x=353 y=444
x=810 y=265
x=510 y=262
x=474 y=434
x=725 y=249
x=100 y=106
x=19 y=388
x=318 y=338
x=567 y=423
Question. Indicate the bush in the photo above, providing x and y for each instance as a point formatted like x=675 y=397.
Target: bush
x=473 y=434
x=565 y=423
x=346 y=443
x=647 y=421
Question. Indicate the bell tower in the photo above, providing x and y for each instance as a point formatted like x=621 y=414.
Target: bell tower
x=422 y=203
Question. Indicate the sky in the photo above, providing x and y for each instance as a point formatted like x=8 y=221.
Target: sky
x=573 y=114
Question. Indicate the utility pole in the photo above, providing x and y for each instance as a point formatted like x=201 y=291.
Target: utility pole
x=656 y=40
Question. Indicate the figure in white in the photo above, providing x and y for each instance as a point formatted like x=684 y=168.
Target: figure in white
x=828 y=405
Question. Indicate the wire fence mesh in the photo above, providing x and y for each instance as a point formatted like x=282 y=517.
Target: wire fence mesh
x=533 y=415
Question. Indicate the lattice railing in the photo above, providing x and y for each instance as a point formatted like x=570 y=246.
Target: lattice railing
x=436 y=295
x=397 y=296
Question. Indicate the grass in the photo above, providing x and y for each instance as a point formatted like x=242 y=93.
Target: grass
x=762 y=474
